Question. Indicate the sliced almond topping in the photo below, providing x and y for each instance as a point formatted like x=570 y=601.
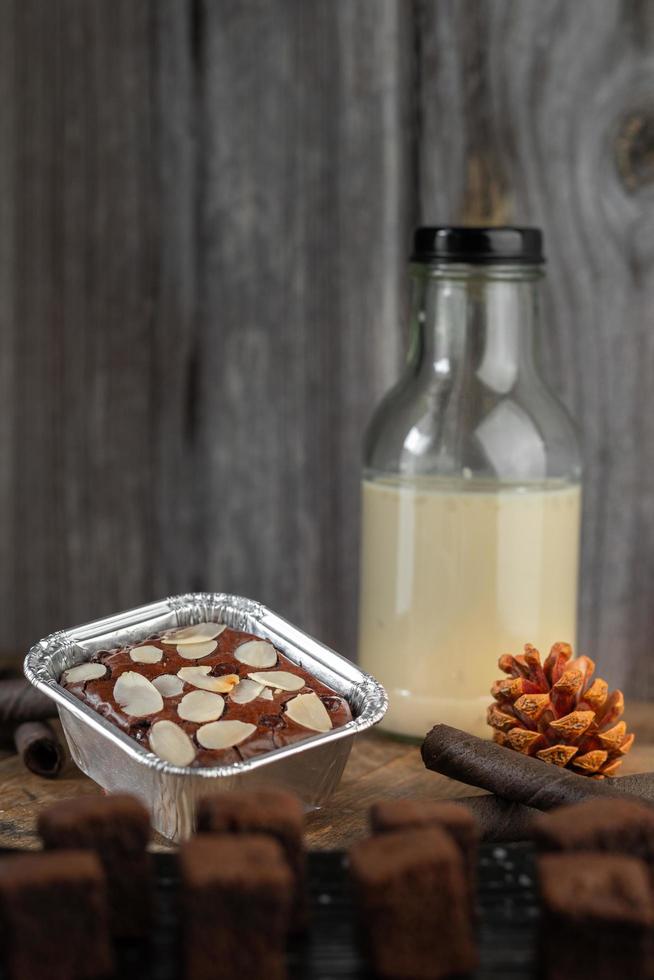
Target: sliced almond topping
x=171 y=743
x=168 y=685
x=146 y=654
x=246 y=691
x=201 y=677
x=83 y=672
x=282 y=679
x=195 y=651
x=136 y=695
x=309 y=711
x=256 y=653
x=224 y=734
x=200 y=633
x=266 y=694
x=200 y=706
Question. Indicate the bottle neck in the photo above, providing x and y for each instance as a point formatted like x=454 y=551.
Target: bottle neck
x=475 y=320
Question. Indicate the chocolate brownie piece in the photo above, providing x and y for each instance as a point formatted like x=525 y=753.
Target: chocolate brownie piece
x=390 y=815
x=597 y=916
x=236 y=895
x=275 y=701
x=411 y=891
x=266 y=811
x=117 y=828
x=618 y=826
x=53 y=917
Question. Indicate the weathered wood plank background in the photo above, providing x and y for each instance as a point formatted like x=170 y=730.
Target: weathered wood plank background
x=205 y=209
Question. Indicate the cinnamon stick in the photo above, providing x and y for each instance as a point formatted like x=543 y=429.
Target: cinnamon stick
x=515 y=777
x=20 y=701
x=501 y=820
x=39 y=748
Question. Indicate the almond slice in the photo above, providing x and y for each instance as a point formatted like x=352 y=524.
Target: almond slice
x=200 y=706
x=308 y=711
x=136 y=695
x=195 y=651
x=200 y=677
x=282 y=679
x=171 y=743
x=256 y=653
x=267 y=694
x=246 y=691
x=224 y=734
x=168 y=685
x=83 y=672
x=146 y=654
x=200 y=633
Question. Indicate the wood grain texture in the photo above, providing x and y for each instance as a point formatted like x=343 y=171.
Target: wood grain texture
x=77 y=451
x=205 y=208
x=542 y=114
x=304 y=230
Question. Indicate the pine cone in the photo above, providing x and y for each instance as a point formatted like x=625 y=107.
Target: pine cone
x=554 y=712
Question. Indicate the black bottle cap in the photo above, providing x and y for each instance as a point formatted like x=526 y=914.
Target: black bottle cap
x=446 y=243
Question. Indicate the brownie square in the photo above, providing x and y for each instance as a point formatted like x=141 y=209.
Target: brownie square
x=265 y=811
x=597 y=916
x=411 y=891
x=53 y=917
x=617 y=826
x=390 y=815
x=117 y=828
x=236 y=895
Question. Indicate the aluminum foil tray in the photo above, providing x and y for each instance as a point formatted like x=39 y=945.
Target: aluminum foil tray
x=311 y=768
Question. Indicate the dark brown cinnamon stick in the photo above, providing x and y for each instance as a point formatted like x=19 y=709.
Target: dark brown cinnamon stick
x=20 y=701
x=501 y=820
x=511 y=775
x=39 y=748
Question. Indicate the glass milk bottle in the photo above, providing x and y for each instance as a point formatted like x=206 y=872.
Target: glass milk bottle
x=471 y=487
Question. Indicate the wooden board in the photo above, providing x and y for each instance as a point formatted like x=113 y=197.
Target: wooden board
x=205 y=210
x=379 y=768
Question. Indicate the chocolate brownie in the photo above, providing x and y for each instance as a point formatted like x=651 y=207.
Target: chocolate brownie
x=411 y=891
x=195 y=684
x=597 y=916
x=53 y=917
x=267 y=811
x=117 y=828
x=613 y=825
x=235 y=902
x=390 y=815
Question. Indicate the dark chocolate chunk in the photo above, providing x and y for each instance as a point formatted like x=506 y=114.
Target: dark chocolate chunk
x=53 y=917
x=235 y=906
x=411 y=892
x=389 y=815
x=615 y=826
x=117 y=828
x=266 y=811
x=597 y=917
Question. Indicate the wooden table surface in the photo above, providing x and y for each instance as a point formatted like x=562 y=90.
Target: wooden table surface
x=379 y=767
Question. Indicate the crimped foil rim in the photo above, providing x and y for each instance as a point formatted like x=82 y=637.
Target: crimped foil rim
x=366 y=689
